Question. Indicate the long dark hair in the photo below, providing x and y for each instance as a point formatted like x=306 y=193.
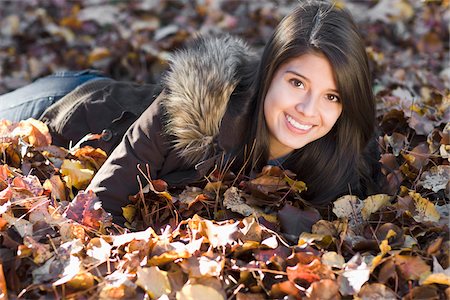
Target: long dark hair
x=332 y=165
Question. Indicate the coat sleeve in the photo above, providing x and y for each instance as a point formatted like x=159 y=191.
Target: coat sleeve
x=142 y=144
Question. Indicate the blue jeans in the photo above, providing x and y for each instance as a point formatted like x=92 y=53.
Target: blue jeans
x=31 y=100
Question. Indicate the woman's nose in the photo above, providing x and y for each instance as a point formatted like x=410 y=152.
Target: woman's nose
x=307 y=105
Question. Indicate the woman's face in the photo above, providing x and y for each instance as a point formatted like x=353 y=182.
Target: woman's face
x=302 y=103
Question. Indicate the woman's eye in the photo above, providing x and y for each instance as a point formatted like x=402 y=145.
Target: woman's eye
x=297 y=83
x=333 y=98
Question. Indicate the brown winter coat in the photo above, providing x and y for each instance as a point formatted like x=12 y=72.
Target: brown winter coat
x=186 y=128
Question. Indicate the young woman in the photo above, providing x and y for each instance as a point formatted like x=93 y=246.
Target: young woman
x=306 y=104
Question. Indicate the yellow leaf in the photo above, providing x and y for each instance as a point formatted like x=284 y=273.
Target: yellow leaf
x=129 y=212
x=198 y=292
x=320 y=240
x=167 y=257
x=80 y=176
x=272 y=218
x=154 y=281
x=98 y=54
x=296 y=185
x=425 y=210
x=82 y=281
x=374 y=203
x=165 y=195
x=391 y=233
x=376 y=261
x=384 y=247
x=440 y=278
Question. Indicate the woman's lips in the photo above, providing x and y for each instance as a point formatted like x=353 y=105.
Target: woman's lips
x=297 y=125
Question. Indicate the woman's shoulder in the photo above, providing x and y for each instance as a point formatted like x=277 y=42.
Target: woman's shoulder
x=198 y=85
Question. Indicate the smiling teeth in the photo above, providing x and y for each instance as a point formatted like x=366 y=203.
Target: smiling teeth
x=297 y=124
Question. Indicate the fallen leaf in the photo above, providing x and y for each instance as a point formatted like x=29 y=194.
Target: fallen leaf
x=199 y=292
x=425 y=211
x=234 y=202
x=117 y=286
x=80 y=176
x=411 y=267
x=436 y=178
x=439 y=275
x=356 y=273
x=376 y=291
x=373 y=203
x=98 y=249
x=333 y=259
x=57 y=188
x=154 y=281
x=325 y=289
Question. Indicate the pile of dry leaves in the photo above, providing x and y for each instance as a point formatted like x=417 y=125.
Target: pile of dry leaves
x=217 y=241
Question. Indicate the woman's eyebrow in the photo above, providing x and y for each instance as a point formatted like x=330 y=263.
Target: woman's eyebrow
x=306 y=79
x=298 y=74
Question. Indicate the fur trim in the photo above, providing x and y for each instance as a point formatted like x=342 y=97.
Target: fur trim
x=198 y=86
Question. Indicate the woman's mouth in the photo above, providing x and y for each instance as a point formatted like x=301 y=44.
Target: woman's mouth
x=298 y=125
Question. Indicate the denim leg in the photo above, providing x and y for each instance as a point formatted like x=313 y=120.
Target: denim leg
x=31 y=100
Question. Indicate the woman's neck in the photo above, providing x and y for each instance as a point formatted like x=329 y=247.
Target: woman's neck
x=277 y=150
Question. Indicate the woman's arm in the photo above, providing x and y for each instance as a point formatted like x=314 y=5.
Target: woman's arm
x=143 y=144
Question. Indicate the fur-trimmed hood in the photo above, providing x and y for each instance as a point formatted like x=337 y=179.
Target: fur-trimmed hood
x=198 y=86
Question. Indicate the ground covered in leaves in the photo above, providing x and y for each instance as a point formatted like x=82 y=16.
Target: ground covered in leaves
x=57 y=242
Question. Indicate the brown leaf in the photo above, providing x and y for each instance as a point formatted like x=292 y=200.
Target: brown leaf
x=250 y=296
x=397 y=141
x=278 y=290
x=117 y=286
x=387 y=271
x=392 y=233
x=57 y=188
x=34 y=132
x=411 y=267
x=375 y=291
x=418 y=157
x=428 y=292
x=325 y=289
